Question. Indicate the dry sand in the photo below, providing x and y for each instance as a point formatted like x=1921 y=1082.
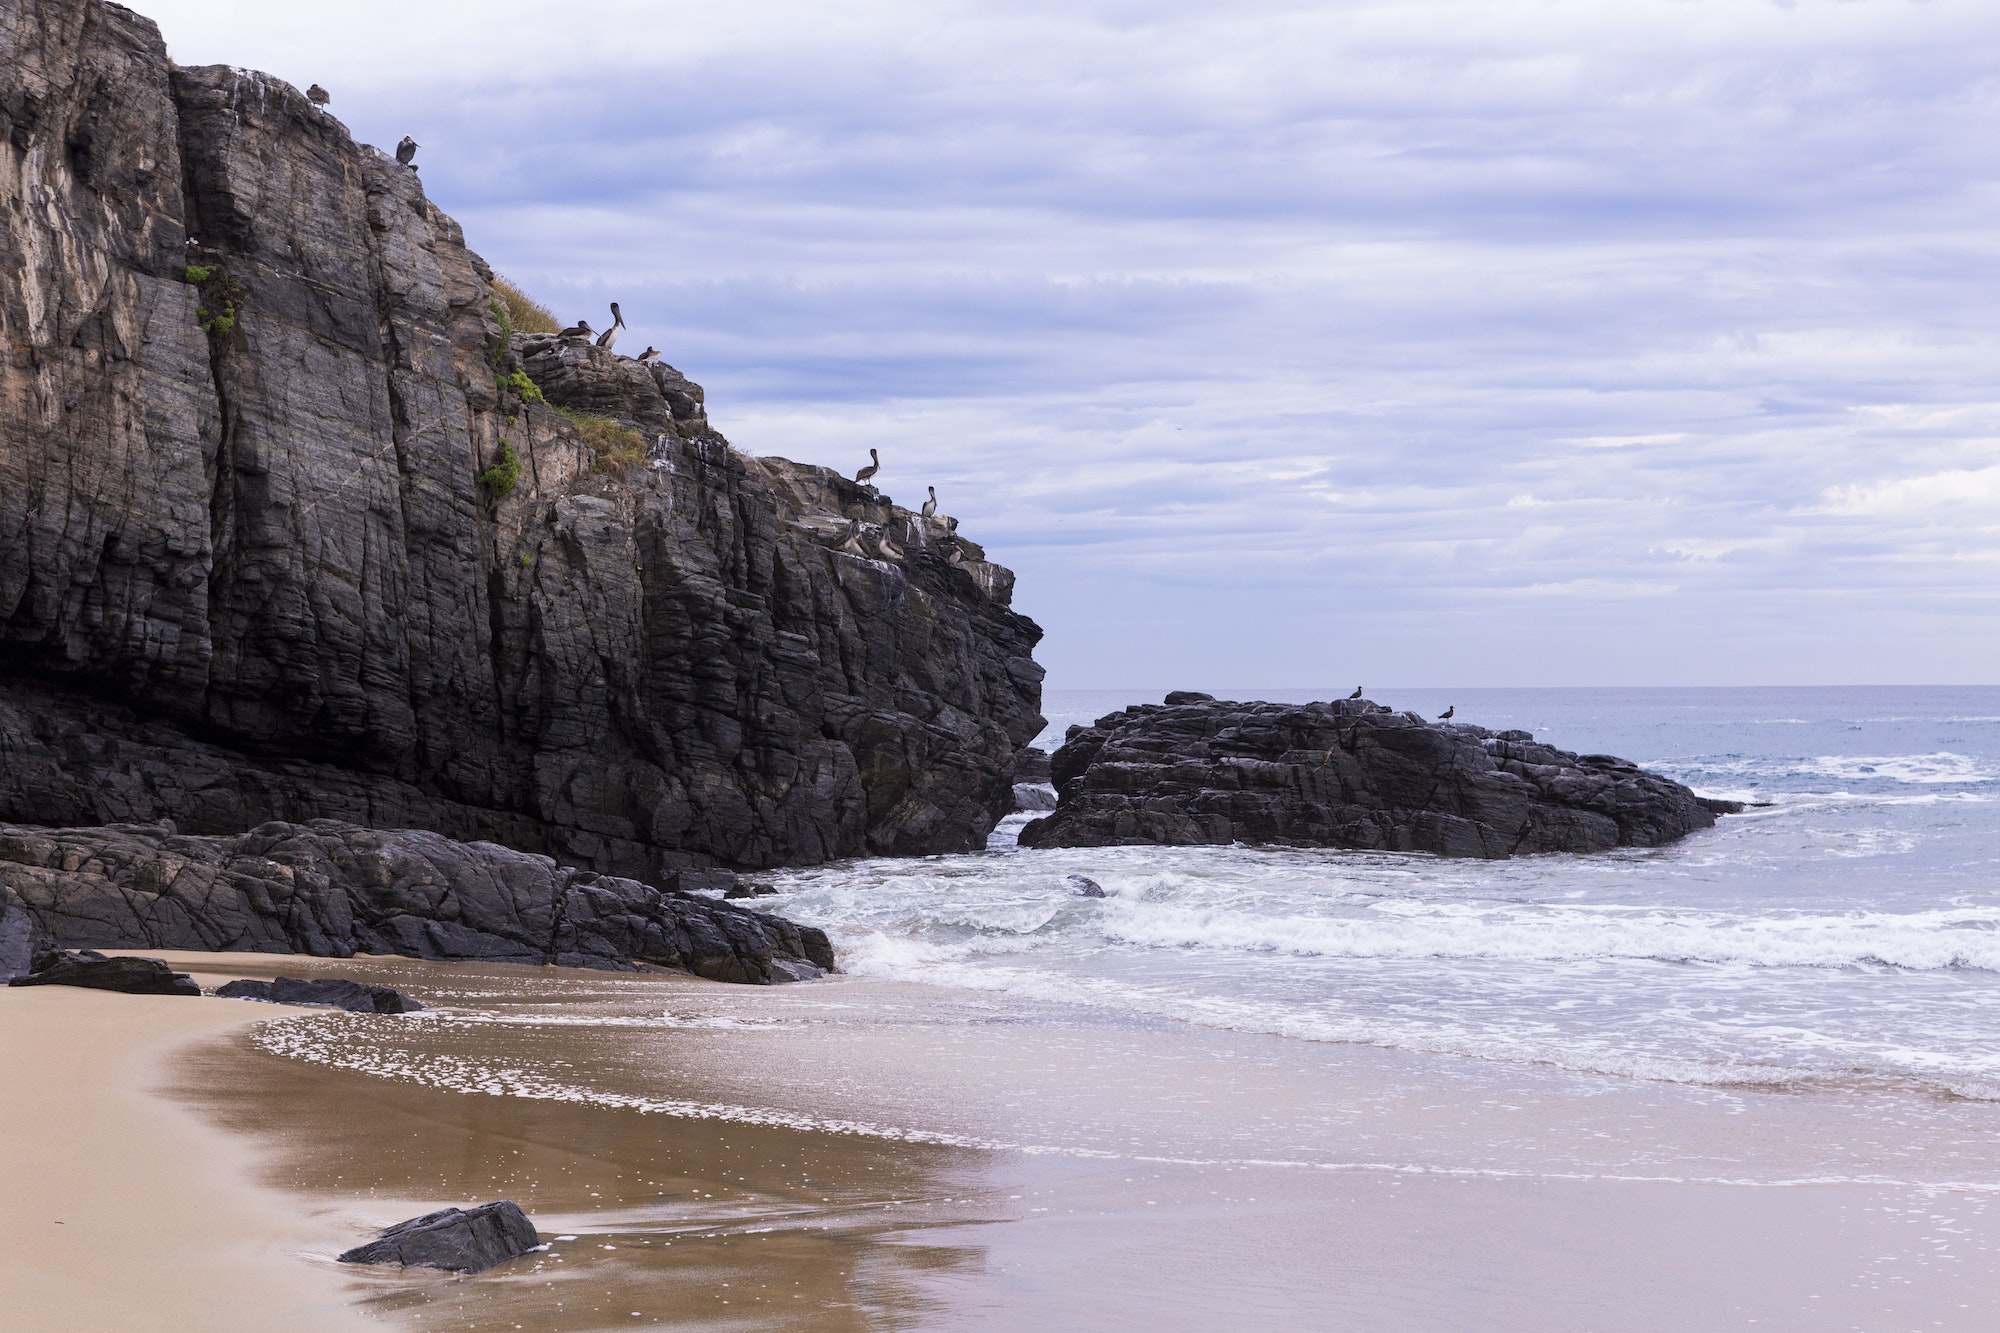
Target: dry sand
x=119 y=1209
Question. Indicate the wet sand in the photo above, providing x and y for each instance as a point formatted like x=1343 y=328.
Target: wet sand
x=121 y=1210
x=656 y=1218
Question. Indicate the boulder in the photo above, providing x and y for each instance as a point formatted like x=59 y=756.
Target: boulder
x=1031 y=765
x=357 y=997
x=454 y=1239
x=1083 y=886
x=18 y=939
x=1034 y=796
x=334 y=890
x=94 y=971
x=1351 y=773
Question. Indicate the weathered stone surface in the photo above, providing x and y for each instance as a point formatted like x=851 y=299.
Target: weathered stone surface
x=18 y=939
x=457 y=1240
x=252 y=573
x=1083 y=886
x=335 y=890
x=93 y=971
x=1348 y=774
x=357 y=997
x=1032 y=765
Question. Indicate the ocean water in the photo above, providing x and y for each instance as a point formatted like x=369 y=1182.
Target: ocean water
x=1843 y=935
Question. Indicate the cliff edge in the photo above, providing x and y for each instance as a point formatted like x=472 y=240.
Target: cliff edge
x=294 y=526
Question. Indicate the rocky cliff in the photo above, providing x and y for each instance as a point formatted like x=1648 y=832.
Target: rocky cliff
x=1348 y=774
x=294 y=526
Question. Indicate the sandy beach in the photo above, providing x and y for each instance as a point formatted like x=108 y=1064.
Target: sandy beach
x=824 y=1157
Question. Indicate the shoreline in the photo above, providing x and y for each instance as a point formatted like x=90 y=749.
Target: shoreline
x=120 y=1207
x=715 y=1223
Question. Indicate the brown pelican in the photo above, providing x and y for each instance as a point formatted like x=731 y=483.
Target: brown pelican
x=1356 y=694
x=874 y=466
x=580 y=329
x=649 y=356
x=609 y=337
x=954 y=554
x=318 y=96
x=887 y=546
x=406 y=151
x=930 y=505
x=1445 y=716
x=850 y=541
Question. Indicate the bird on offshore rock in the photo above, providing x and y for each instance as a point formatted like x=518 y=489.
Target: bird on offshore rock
x=874 y=466
x=930 y=505
x=609 y=337
x=850 y=541
x=1356 y=694
x=580 y=329
x=1445 y=716
x=406 y=151
x=649 y=356
x=886 y=545
x=318 y=96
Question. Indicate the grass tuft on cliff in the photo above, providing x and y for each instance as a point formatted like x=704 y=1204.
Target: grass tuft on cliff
x=524 y=313
x=616 y=445
x=501 y=479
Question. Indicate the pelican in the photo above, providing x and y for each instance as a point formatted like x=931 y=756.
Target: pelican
x=874 y=466
x=649 y=356
x=888 y=548
x=318 y=96
x=580 y=329
x=954 y=555
x=610 y=336
x=930 y=505
x=406 y=151
x=850 y=541
x=1356 y=694
x=1445 y=716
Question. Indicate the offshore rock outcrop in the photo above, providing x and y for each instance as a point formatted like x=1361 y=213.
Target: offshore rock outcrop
x=261 y=558
x=1348 y=774
x=335 y=890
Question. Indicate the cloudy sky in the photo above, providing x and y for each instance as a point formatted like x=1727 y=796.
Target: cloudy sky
x=1430 y=342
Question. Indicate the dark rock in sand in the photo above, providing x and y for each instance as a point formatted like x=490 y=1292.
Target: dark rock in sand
x=1083 y=886
x=335 y=890
x=92 y=970
x=357 y=997
x=260 y=559
x=458 y=1240
x=1347 y=774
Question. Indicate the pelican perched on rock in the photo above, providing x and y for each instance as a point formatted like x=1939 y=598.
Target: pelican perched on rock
x=850 y=541
x=318 y=96
x=1356 y=694
x=954 y=554
x=874 y=466
x=885 y=544
x=580 y=329
x=406 y=151
x=609 y=337
x=649 y=356
x=1445 y=716
x=930 y=505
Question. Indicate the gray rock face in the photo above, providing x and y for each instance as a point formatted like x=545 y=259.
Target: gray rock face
x=335 y=890
x=93 y=971
x=18 y=942
x=457 y=1240
x=1348 y=774
x=356 y=997
x=250 y=571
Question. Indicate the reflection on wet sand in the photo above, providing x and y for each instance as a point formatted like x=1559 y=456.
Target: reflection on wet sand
x=649 y=1220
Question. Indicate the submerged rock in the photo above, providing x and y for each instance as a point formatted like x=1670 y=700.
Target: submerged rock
x=94 y=971
x=335 y=890
x=454 y=1239
x=1348 y=774
x=1083 y=886
x=357 y=997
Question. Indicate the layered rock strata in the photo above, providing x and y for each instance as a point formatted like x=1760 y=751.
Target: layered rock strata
x=1348 y=774
x=336 y=890
x=293 y=526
